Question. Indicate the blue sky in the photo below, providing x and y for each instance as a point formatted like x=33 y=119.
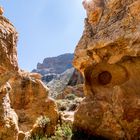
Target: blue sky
x=46 y=27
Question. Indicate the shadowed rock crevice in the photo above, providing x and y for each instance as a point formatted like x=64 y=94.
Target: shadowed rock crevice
x=82 y=135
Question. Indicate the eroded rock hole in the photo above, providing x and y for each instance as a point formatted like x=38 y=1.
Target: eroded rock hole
x=104 y=78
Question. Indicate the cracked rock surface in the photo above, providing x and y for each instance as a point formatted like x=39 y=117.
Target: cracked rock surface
x=108 y=56
x=23 y=97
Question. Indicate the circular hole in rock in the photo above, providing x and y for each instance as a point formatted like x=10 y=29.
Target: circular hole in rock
x=104 y=78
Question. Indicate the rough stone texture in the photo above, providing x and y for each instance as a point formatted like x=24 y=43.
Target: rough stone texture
x=108 y=55
x=23 y=97
x=76 y=90
x=66 y=83
x=8 y=52
x=29 y=98
x=76 y=78
x=49 y=77
x=58 y=84
x=55 y=65
x=1 y=10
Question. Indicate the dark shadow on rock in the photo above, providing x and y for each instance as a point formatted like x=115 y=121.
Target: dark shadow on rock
x=81 y=135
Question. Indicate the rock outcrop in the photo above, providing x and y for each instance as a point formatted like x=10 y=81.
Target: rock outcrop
x=55 y=65
x=76 y=90
x=108 y=55
x=69 y=82
x=23 y=97
x=58 y=84
x=58 y=73
x=76 y=78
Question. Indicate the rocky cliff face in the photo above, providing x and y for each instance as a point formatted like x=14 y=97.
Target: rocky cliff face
x=58 y=84
x=55 y=65
x=23 y=97
x=108 y=55
x=76 y=78
x=58 y=73
x=69 y=78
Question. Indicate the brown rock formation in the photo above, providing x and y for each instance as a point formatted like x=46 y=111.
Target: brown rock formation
x=1 y=10
x=23 y=97
x=108 y=55
x=76 y=78
x=76 y=90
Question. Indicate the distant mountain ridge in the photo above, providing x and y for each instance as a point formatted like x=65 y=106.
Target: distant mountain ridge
x=58 y=73
x=55 y=65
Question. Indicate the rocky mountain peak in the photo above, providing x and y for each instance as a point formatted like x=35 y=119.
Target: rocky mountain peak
x=56 y=65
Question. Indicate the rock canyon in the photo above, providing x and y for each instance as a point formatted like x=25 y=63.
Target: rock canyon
x=107 y=56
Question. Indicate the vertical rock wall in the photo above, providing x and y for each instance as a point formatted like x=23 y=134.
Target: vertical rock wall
x=108 y=55
x=23 y=97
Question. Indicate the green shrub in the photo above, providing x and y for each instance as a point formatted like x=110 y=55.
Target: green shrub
x=39 y=132
x=67 y=131
x=63 y=132
x=43 y=121
x=37 y=137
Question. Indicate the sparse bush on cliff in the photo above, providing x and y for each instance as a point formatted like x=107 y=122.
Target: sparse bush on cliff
x=40 y=127
x=43 y=121
x=63 y=132
x=37 y=137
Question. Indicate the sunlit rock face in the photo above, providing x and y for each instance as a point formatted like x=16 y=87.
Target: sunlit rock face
x=8 y=40
x=108 y=55
x=23 y=97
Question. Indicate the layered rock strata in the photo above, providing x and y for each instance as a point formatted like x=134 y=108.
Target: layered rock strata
x=23 y=97
x=108 y=55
